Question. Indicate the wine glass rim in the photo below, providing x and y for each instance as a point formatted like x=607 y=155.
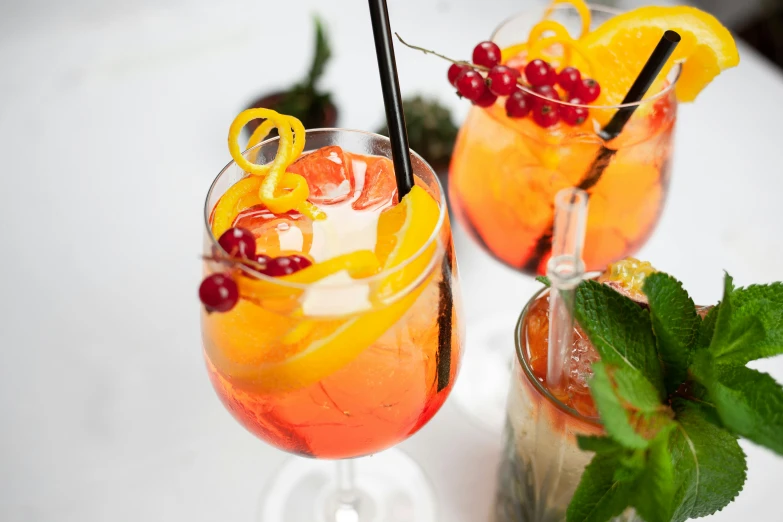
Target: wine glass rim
x=375 y=278
x=519 y=331
x=673 y=75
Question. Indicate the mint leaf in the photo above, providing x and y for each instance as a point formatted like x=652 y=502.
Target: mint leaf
x=756 y=324
x=710 y=464
x=653 y=495
x=630 y=407
x=748 y=402
x=722 y=328
x=544 y=280
x=599 y=495
x=597 y=444
x=619 y=329
x=707 y=328
x=675 y=324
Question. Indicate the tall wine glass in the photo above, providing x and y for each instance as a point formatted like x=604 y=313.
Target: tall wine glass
x=503 y=179
x=327 y=371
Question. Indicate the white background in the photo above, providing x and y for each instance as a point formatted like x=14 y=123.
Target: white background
x=113 y=118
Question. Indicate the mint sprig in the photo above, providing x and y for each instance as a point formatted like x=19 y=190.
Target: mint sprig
x=629 y=405
x=674 y=394
x=710 y=464
x=675 y=325
x=619 y=329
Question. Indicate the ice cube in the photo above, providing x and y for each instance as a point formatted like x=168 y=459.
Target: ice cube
x=583 y=355
x=328 y=172
x=276 y=234
x=379 y=188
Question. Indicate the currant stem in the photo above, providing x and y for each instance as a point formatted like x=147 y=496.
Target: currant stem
x=427 y=51
x=452 y=60
x=235 y=262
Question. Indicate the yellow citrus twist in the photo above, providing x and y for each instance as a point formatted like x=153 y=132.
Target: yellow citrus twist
x=581 y=8
x=548 y=33
x=278 y=190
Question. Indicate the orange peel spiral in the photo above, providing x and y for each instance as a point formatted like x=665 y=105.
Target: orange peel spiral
x=581 y=8
x=278 y=190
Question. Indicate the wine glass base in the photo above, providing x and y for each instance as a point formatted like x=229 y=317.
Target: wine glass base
x=482 y=388
x=390 y=487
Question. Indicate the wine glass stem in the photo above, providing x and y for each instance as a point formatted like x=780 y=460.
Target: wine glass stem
x=347 y=497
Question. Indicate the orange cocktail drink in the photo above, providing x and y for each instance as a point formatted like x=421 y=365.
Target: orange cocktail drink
x=344 y=337
x=506 y=170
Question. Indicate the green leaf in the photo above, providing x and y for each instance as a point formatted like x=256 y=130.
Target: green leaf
x=756 y=324
x=599 y=496
x=710 y=464
x=629 y=406
x=320 y=56
x=675 y=324
x=748 y=402
x=619 y=329
x=654 y=489
x=431 y=129
x=722 y=328
x=597 y=444
x=544 y=280
x=707 y=328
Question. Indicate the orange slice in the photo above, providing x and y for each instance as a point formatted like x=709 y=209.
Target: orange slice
x=403 y=230
x=358 y=264
x=269 y=353
x=273 y=352
x=623 y=44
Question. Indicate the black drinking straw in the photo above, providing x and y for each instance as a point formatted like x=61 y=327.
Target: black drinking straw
x=390 y=85
x=403 y=172
x=611 y=130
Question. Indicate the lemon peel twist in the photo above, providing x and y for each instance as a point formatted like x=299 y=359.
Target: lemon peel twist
x=278 y=190
x=581 y=8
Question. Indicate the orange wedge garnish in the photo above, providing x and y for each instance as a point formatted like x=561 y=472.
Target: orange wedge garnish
x=623 y=44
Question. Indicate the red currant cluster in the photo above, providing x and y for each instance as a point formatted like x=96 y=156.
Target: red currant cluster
x=540 y=77
x=219 y=292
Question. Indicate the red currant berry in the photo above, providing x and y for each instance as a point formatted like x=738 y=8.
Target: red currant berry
x=573 y=116
x=454 y=71
x=238 y=242
x=486 y=54
x=545 y=115
x=470 y=84
x=587 y=90
x=218 y=293
x=502 y=80
x=538 y=72
x=487 y=99
x=547 y=91
x=261 y=262
x=569 y=78
x=518 y=105
x=281 y=266
x=300 y=262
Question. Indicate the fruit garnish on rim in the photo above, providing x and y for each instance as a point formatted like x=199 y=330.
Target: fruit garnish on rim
x=674 y=393
x=585 y=73
x=282 y=219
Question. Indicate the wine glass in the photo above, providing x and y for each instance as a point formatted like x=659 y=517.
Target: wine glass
x=331 y=371
x=503 y=178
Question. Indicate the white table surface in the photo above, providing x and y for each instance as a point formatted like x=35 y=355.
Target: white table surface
x=113 y=119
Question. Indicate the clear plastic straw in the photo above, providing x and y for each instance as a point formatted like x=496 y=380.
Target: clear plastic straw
x=565 y=270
